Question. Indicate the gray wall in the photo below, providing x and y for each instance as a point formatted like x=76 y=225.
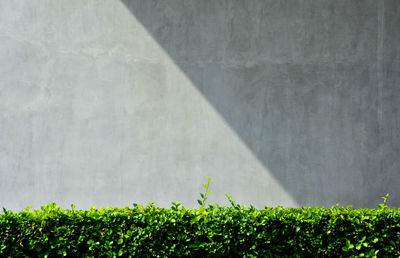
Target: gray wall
x=291 y=102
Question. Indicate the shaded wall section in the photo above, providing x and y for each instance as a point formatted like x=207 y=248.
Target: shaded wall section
x=280 y=102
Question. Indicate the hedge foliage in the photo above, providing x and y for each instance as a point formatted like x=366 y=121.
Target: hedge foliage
x=234 y=231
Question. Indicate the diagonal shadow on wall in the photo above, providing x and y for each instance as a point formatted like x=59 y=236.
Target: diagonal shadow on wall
x=298 y=81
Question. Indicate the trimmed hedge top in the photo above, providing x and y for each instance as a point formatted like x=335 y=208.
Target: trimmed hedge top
x=234 y=231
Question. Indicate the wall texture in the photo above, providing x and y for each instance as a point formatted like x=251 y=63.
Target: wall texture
x=291 y=102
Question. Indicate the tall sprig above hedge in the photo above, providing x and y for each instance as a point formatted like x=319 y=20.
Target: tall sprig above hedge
x=203 y=196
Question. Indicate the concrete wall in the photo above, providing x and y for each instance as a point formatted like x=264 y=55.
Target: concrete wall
x=291 y=102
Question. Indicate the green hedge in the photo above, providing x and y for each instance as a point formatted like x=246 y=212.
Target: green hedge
x=234 y=231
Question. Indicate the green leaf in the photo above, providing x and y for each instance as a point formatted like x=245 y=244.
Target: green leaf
x=349 y=245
